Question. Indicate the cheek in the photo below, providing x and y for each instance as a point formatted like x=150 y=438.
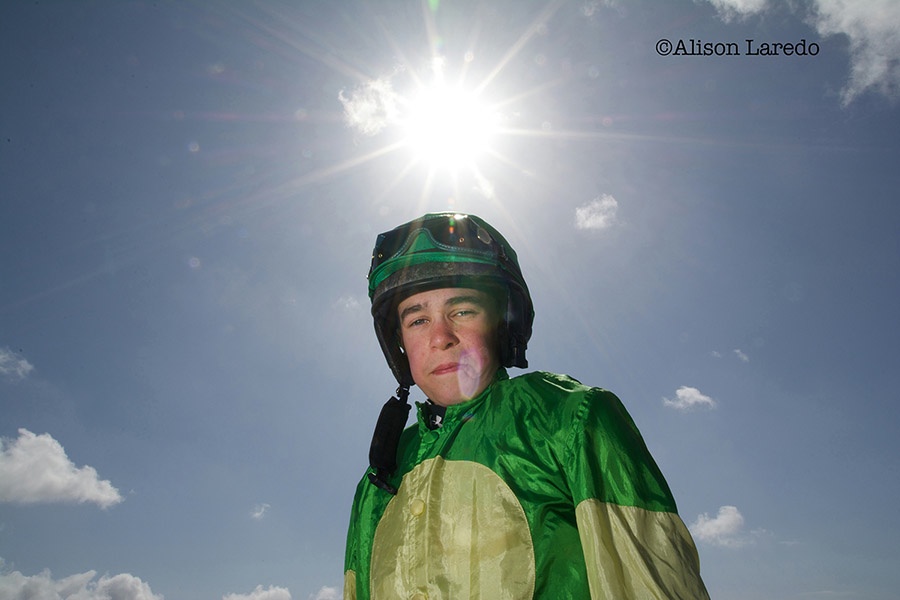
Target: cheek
x=484 y=346
x=411 y=348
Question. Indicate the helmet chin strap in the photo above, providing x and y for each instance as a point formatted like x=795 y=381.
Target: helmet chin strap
x=386 y=439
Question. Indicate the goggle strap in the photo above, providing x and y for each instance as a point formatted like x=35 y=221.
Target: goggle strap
x=386 y=439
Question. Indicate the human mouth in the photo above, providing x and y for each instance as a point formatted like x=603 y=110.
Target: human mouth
x=445 y=368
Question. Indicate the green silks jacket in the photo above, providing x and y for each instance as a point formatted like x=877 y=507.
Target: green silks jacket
x=540 y=487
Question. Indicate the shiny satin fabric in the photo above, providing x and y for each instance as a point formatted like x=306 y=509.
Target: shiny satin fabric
x=495 y=490
x=654 y=568
x=445 y=540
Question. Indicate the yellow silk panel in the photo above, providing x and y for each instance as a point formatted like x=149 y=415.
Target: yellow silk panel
x=454 y=530
x=638 y=554
x=349 y=585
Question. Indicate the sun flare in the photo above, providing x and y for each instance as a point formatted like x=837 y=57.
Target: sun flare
x=454 y=131
x=447 y=126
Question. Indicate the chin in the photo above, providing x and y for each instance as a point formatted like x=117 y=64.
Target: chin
x=443 y=396
x=446 y=399
x=464 y=392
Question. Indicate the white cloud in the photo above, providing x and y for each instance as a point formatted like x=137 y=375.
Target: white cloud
x=272 y=593
x=730 y=9
x=259 y=511
x=13 y=367
x=722 y=530
x=371 y=106
x=35 y=468
x=687 y=398
x=81 y=586
x=348 y=302
x=327 y=593
x=873 y=29
x=599 y=213
x=741 y=355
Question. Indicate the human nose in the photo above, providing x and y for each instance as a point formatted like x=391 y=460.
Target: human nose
x=442 y=335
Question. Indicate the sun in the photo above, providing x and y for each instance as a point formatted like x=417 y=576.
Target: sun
x=457 y=132
x=447 y=126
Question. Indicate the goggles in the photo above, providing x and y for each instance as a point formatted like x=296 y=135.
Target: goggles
x=455 y=234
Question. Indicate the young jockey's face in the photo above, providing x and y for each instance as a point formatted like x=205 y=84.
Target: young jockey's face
x=450 y=339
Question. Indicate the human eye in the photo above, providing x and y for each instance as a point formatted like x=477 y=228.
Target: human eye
x=416 y=322
x=465 y=311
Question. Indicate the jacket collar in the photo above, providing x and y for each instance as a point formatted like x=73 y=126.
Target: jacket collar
x=428 y=413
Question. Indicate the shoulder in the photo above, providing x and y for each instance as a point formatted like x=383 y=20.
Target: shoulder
x=549 y=383
x=556 y=390
x=560 y=401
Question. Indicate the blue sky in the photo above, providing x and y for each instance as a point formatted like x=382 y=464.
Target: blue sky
x=191 y=191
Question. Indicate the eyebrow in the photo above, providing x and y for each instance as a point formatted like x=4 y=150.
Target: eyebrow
x=452 y=301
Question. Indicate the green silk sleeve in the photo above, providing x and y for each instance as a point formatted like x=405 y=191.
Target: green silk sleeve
x=635 y=544
x=367 y=506
x=608 y=460
x=351 y=553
